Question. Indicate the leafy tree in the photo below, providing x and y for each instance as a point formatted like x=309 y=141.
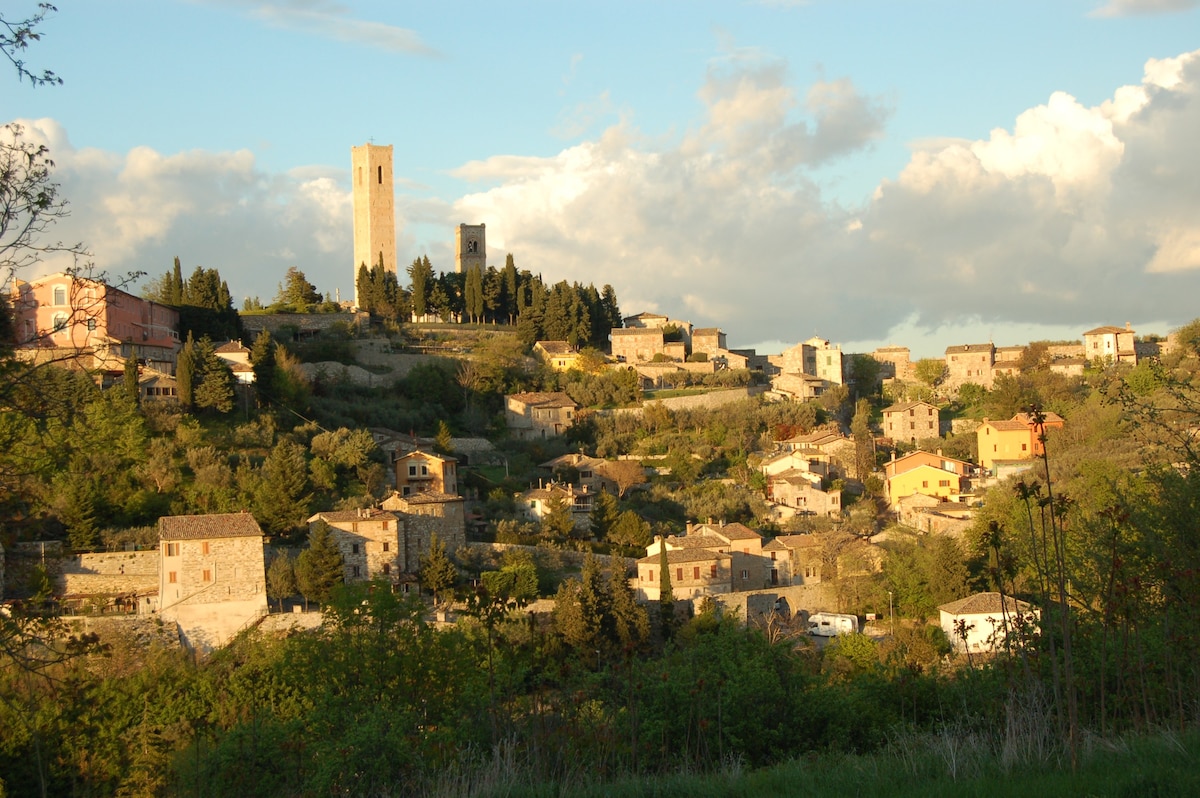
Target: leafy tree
x=319 y=568
x=931 y=371
x=443 y=442
x=558 y=524
x=630 y=530
x=864 y=441
x=438 y=573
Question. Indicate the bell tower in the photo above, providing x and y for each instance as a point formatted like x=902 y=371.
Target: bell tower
x=374 y=208
x=470 y=247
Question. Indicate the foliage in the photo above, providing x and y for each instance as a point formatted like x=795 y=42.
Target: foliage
x=438 y=573
x=319 y=568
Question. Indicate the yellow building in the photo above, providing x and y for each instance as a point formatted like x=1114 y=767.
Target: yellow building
x=558 y=354
x=926 y=480
x=1003 y=440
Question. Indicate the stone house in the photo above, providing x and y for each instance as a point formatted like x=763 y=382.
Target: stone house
x=895 y=363
x=797 y=491
x=156 y=386
x=742 y=544
x=978 y=623
x=803 y=559
x=1111 y=344
x=423 y=515
x=816 y=357
x=418 y=471
x=62 y=314
x=636 y=344
x=694 y=572
x=646 y=320
x=537 y=503
x=211 y=575
x=910 y=421
x=808 y=460
x=710 y=341
x=559 y=355
x=1008 y=359
x=799 y=387
x=533 y=416
x=587 y=472
x=368 y=539
x=969 y=363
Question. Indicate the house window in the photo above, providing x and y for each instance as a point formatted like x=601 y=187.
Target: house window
x=91 y=325
x=354 y=548
x=386 y=545
x=679 y=574
x=713 y=572
x=204 y=547
x=412 y=470
x=943 y=483
x=385 y=523
x=424 y=470
x=206 y=575
x=650 y=578
x=772 y=555
x=924 y=483
x=60 y=321
x=354 y=570
x=172 y=549
x=1024 y=446
x=380 y=175
x=60 y=295
x=745 y=574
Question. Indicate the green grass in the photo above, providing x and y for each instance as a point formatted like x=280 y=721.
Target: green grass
x=948 y=766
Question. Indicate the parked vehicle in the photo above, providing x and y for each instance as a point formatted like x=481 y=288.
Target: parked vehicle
x=832 y=624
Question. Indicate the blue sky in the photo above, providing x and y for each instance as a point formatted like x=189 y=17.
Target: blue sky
x=919 y=173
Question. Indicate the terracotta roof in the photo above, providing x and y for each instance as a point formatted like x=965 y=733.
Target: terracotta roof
x=985 y=603
x=1007 y=426
x=799 y=541
x=431 y=497
x=555 y=347
x=957 y=350
x=427 y=455
x=217 y=525
x=544 y=399
x=774 y=545
x=342 y=516
x=1107 y=330
x=896 y=408
x=733 y=531
x=686 y=555
x=636 y=331
x=696 y=541
x=230 y=347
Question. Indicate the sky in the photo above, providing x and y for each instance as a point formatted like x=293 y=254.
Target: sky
x=875 y=172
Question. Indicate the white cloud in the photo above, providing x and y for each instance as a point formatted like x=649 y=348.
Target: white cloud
x=136 y=212
x=1129 y=8
x=331 y=20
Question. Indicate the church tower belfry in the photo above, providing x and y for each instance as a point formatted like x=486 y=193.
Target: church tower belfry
x=470 y=247
x=374 y=208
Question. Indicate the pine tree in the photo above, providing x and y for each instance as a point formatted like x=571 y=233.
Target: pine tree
x=212 y=380
x=511 y=289
x=319 y=568
x=443 y=442
x=280 y=501
x=666 y=597
x=262 y=358
x=437 y=571
x=131 y=377
x=185 y=368
x=604 y=515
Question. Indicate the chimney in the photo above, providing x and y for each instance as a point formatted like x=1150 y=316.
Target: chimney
x=1128 y=327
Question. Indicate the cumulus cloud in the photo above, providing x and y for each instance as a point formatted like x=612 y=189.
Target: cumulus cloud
x=137 y=211
x=332 y=20
x=1128 y=8
x=1072 y=213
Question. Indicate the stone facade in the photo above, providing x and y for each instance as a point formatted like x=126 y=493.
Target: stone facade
x=425 y=471
x=636 y=344
x=533 y=416
x=1113 y=344
x=896 y=363
x=127 y=579
x=212 y=575
x=374 y=201
x=369 y=542
x=969 y=363
x=911 y=421
x=423 y=515
x=470 y=247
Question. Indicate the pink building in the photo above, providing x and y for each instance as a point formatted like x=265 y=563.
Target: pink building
x=62 y=312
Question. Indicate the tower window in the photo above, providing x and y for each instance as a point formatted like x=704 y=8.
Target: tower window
x=380 y=168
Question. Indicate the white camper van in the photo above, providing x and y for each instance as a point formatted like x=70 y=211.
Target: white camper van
x=831 y=624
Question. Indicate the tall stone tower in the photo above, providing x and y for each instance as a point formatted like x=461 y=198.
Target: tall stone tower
x=470 y=247
x=374 y=208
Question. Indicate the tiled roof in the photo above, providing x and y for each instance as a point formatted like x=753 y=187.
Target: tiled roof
x=696 y=541
x=342 y=516
x=1107 y=330
x=231 y=347
x=217 y=525
x=799 y=541
x=555 y=347
x=686 y=555
x=544 y=399
x=1007 y=426
x=985 y=603
x=902 y=406
x=774 y=545
x=431 y=497
x=959 y=349
x=733 y=531
x=706 y=331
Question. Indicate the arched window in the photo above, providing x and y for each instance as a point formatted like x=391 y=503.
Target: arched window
x=60 y=320
x=60 y=295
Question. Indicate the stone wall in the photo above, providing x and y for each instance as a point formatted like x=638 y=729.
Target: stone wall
x=305 y=323
x=807 y=598
x=712 y=398
x=108 y=573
